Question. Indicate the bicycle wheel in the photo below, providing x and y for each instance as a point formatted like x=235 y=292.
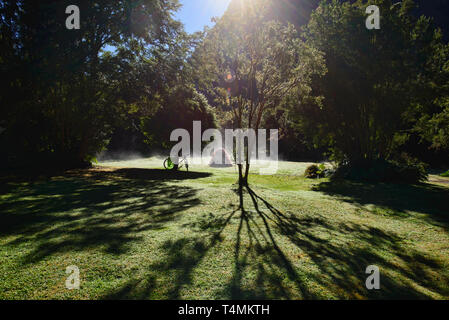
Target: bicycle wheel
x=168 y=164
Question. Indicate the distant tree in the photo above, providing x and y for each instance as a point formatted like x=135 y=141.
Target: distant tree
x=434 y=127
x=180 y=108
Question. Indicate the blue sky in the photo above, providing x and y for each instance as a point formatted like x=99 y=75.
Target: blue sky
x=195 y=14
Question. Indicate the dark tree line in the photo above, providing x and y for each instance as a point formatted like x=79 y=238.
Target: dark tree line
x=63 y=92
x=131 y=74
x=424 y=134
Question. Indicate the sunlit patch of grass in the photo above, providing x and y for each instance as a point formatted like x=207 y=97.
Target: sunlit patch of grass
x=148 y=235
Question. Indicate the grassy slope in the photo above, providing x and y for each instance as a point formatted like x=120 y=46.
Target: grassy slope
x=144 y=233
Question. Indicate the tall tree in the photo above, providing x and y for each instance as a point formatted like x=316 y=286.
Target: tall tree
x=374 y=77
x=59 y=98
x=250 y=64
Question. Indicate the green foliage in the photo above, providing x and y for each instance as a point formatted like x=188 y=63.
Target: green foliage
x=315 y=171
x=63 y=94
x=181 y=106
x=434 y=127
x=318 y=171
x=247 y=65
x=403 y=170
x=445 y=174
x=374 y=78
x=265 y=59
x=312 y=172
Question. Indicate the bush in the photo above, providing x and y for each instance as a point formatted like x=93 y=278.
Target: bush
x=446 y=174
x=314 y=171
x=403 y=170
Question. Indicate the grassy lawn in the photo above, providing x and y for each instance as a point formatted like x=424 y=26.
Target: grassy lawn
x=136 y=231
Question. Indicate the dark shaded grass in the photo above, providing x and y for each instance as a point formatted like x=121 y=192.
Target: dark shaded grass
x=111 y=210
x=52 y=203
x=262 y=225
x=399 y=199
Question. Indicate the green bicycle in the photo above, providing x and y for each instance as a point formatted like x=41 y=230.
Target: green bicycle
x=170 y=165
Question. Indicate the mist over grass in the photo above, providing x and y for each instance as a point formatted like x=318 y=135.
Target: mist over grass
x=118 y=156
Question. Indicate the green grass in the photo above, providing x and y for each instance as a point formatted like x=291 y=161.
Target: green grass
x=136 y=231
x=445 y=174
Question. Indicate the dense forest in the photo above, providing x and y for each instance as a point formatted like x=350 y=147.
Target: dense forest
x=131 y=74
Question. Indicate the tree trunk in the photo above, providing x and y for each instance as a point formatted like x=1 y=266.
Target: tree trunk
x=245 y=177
x=241 y=185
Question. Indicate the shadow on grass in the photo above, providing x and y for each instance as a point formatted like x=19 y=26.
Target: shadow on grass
x=394 y=199
x=263 y=267
x=103 y=208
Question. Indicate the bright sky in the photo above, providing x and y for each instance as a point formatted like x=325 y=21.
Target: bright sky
x=195 y=14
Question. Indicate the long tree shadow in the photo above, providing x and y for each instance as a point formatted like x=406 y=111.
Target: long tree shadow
x=180 y=259
x=107 y=209
x=262 y=244
x=263 y=267
x=398 y=199
x=343 y=265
